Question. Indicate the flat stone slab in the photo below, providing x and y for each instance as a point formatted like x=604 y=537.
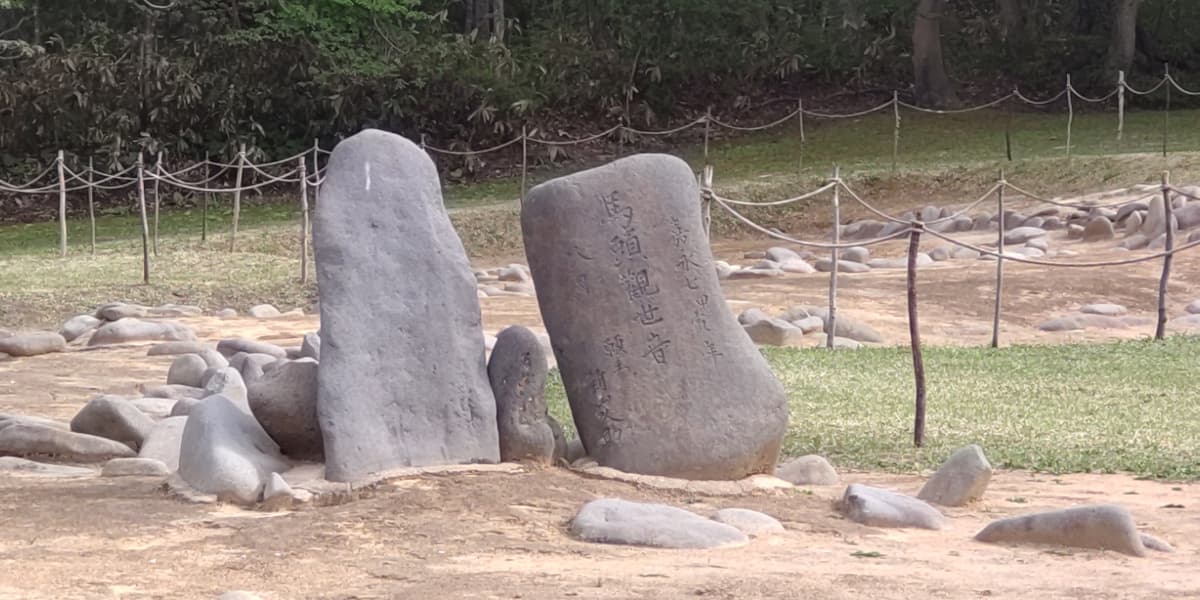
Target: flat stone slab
x=884 y=508
x=750 y=522
x=27 y=439
x=808 y=470
x=750 y=485
x=21 y=467
x=614 y=521
x=1099 y=526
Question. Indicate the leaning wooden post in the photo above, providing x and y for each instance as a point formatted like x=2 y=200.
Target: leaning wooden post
x=914 y=333
x=1070 y=114
x=896 y=135
x=800 y=112
x=237 y=196
x=157 y=176
x=831 y=332
x=62 y=207
x=1120 y=105
x=316 y=151
x=707 y=133
x=524 y=161
x=1160 y=332
x=303 y=221
x=999 y=261
x=92 y=201
x=141 y=177
x=706 y=183
x=204 y=203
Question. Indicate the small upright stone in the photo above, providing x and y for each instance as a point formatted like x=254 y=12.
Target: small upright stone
x=78 y=326
x=517 y=372
x=263 y=311
x=960 y=480
x=659 y=377
x=225 y=452
x=113 y=418
x=284 y=400
x=1098 y=229
x=187 y=369
x=311 y=347
x=402 y=380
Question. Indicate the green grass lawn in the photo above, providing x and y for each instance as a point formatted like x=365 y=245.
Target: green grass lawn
x=1127 y=406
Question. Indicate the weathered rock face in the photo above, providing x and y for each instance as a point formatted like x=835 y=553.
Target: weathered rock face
x=613 y=521
x=225 y=452
x=960 y=480
x=517 y=371
x=402 y=380
x=114 y=418
x=284 y=400
x=660 y=378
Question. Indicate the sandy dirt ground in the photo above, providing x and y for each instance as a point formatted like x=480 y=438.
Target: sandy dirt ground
x=504 y=536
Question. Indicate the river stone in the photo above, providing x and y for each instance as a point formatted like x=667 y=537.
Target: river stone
x=21 y=467
x=1108 y=310
x=882 y=508
x=228 y=382
x=1155 y=223
x=856 y=254
x=115 y=311
x=163 y=443
x=1041 y=243
x=940 y=253
x=1098 y=229
x=284 y=400
x=32 y=344
x=960 y=253
x=1020 y=235
x=403 y=380
x=1194 y=307
x=796 y=265
x=1133 y=224
x=753 y=273
x=780 y=255
x=77 y=326
x=225 y=452
x=263 y=311
x=750 y=522
x=114 y=418
x=155 y=408
x=173 y=348
x=1188 y=216
x=517 y=372
x=808 y=470
x=659 y=377
x=28 y=439
x=1136 y=241
x=1074 y=232
x=825 y=265
x=311 y=347
x=751 y=316
x=136 y=330
x=1127 y=210
x=230 y=347
x=960 y=480
x=1099 y=526
x=174 y=392
x=134 y=467
x=226 y=313
x=774 y=332
x=186 y=370
x=183 y=407
x=614 y=521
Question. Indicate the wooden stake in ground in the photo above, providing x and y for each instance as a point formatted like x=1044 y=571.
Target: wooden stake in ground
x=237 y=197
x=999 y=262
x=524 y=161
x=303 y=221
x=833 y=270
x=896 y=135
x=62 y=207
x=158 y=170
x=1160 y=331
x=92 y=202
x=204 y=204
x=1070 y=114
x=141 y=177
x=316 y=171
x=914 y=333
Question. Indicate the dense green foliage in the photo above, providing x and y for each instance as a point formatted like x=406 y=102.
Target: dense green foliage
x=107 y=77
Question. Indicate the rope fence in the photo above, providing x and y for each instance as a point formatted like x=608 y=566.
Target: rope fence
x=914 y=229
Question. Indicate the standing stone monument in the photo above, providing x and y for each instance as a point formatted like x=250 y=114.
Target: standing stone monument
x=661 y=378
x=402 y=380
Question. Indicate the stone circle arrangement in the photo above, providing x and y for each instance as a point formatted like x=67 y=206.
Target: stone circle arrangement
x=666 y=387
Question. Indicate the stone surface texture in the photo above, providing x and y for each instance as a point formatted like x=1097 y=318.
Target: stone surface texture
x=614 y=521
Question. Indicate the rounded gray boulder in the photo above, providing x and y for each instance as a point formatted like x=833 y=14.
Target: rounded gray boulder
x=1101 y=526
x=225 y=452
x=114 y=418
x=883 y=508
x=750 y=522
x=136 y=330
x=614 y=521
x=284 y=400
x=187 y=369
x=32 y=344
x=808 y=470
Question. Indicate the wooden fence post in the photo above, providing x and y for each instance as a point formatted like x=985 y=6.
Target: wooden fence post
x=316 y=172
x=237 y=197
x=141 y=176
x=1167 y=109
x=1160 y=331
x=158 y=170
x=62 y=207
x=914 y=333
x=1070 y=114
x=1120 y=106
x=831 y=333
x=800 y=112
x=303 y=221
x=524 y=161
x=999 y=261
x=204 y=203
x=896 y=135
x=92 y=201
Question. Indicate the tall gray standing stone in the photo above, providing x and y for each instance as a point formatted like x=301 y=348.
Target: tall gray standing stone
x=660 y=377
x=402 y=380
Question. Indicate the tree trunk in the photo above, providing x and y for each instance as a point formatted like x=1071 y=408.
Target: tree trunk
x=486 y=17
x=1123 y=41
x=1010 y=18
x=930 y=83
